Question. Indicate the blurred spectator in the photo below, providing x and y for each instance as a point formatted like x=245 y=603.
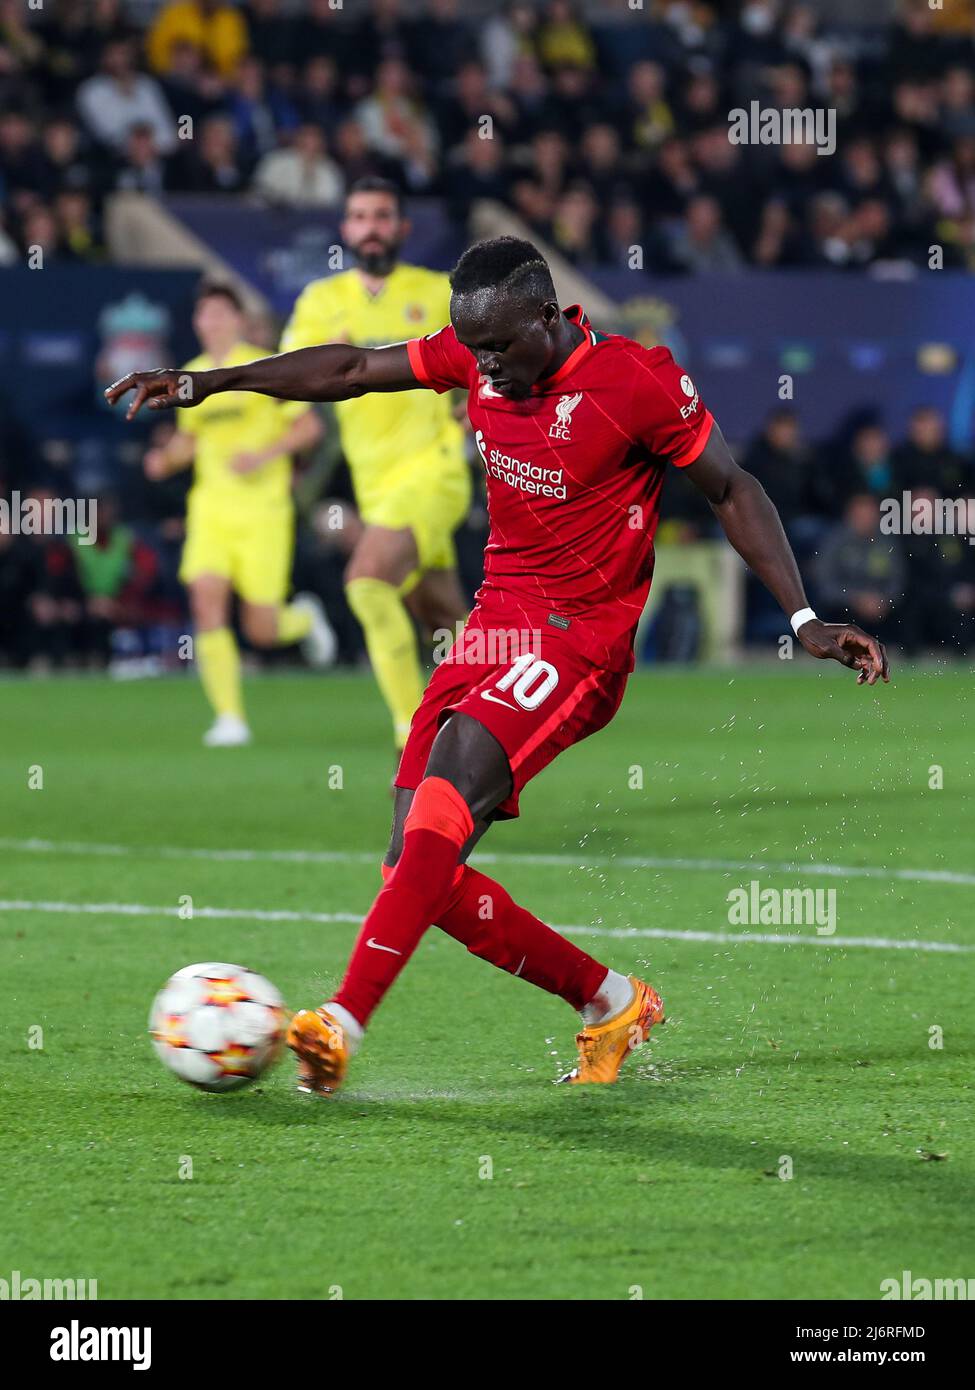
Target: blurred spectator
x=939 y=608
x=648 y=117
x=78 y=224
x=783 y=463
x=702 y=244
x=575 y=225
x=563 y=40
x=861 y=571
x=507 y=37
x=211 y=163
x=39 y=580
x=21 y=160
x=469 y=101
x=926 y=460
x=217 y=29
x=476 y=170
x=867 y=467
x=116 y=576
x=273 y=33
x=121 y=97
x=301 y=176
x=319 y=33
x=141 y=168
x=441 y=43
x=262 y=115
x=600 y=161
x=396 y=125
x=317 y=94
x=190 y=86
x=357 y=159
x=67 y=163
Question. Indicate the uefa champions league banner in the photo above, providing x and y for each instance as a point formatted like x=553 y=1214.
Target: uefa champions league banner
x=835 y=347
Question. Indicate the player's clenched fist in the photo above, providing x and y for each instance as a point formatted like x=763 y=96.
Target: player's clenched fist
x=161 y=388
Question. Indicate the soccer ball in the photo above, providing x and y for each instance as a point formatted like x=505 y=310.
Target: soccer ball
x=217 y=1026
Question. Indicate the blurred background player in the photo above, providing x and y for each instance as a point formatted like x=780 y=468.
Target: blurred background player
x=240 y=519
x=404 y=451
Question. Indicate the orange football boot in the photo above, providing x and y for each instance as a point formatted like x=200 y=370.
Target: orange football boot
x=318 y=1041
x=604 y=1048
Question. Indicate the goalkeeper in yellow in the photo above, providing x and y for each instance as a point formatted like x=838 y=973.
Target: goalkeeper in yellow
x=404 y=450
x=240 y=518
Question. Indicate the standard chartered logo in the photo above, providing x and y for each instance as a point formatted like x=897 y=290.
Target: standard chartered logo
x=526 y=477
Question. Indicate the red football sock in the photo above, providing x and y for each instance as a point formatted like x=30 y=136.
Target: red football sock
x=483 y=916
x=438 y=825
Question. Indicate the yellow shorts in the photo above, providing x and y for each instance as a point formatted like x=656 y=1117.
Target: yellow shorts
x=429 y=494
x=252 y=551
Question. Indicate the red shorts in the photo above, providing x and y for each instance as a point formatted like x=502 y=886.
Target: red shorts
x=536 y=696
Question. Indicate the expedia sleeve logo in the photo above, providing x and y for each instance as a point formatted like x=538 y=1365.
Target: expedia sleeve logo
x=689 y=389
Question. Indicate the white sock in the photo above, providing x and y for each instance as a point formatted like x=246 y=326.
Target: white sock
x=352 y=1028
x=613 y=996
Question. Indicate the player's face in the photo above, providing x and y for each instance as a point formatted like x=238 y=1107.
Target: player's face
x=513 y=346
x=374 y=231
x=216 y=322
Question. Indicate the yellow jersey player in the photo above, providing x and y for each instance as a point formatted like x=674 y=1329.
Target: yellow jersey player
x=404 y=451
x=240 y=518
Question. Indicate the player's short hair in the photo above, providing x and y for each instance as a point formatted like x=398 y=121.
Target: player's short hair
x=372 y=183
x=506 y=263
x=212 y=289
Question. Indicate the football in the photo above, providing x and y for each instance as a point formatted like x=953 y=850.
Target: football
x=217 y=1026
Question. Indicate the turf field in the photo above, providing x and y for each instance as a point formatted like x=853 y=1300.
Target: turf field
x=816 y=1049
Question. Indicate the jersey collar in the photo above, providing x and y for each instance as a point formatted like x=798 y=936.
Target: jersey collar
x=576 y=314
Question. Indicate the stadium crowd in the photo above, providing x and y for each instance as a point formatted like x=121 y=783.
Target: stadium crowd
x=604 y=127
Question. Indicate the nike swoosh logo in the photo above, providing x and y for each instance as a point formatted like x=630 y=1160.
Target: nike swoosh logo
x=376 y=947
x=486 y=695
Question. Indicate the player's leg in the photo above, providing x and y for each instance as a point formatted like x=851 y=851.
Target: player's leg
x=382 y=561
x=438 y=825
x=438 y=602
x=206 y=568
x=484 y=918
x=218 y=659
x=282 y=624
x=262 y=559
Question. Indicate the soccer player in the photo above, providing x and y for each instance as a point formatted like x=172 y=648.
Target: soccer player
x=405 y=452
x=240 y=517
x=576 y=429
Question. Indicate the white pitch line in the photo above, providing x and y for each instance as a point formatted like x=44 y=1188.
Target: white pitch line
x=875 y=943
x=580 y=861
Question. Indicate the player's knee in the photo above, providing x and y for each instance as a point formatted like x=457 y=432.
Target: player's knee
x=208 y=606
x=260 y=628
x=473 y=762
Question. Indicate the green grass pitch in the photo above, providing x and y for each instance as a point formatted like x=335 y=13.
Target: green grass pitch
x=818 y=1051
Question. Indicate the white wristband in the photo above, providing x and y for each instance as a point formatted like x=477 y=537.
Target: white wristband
x=804 y=615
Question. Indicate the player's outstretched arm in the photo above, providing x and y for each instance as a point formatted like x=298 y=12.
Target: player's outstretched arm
x=753 y=527
x=332 y=372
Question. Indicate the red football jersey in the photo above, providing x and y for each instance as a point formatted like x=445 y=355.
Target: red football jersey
x=574 y=475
